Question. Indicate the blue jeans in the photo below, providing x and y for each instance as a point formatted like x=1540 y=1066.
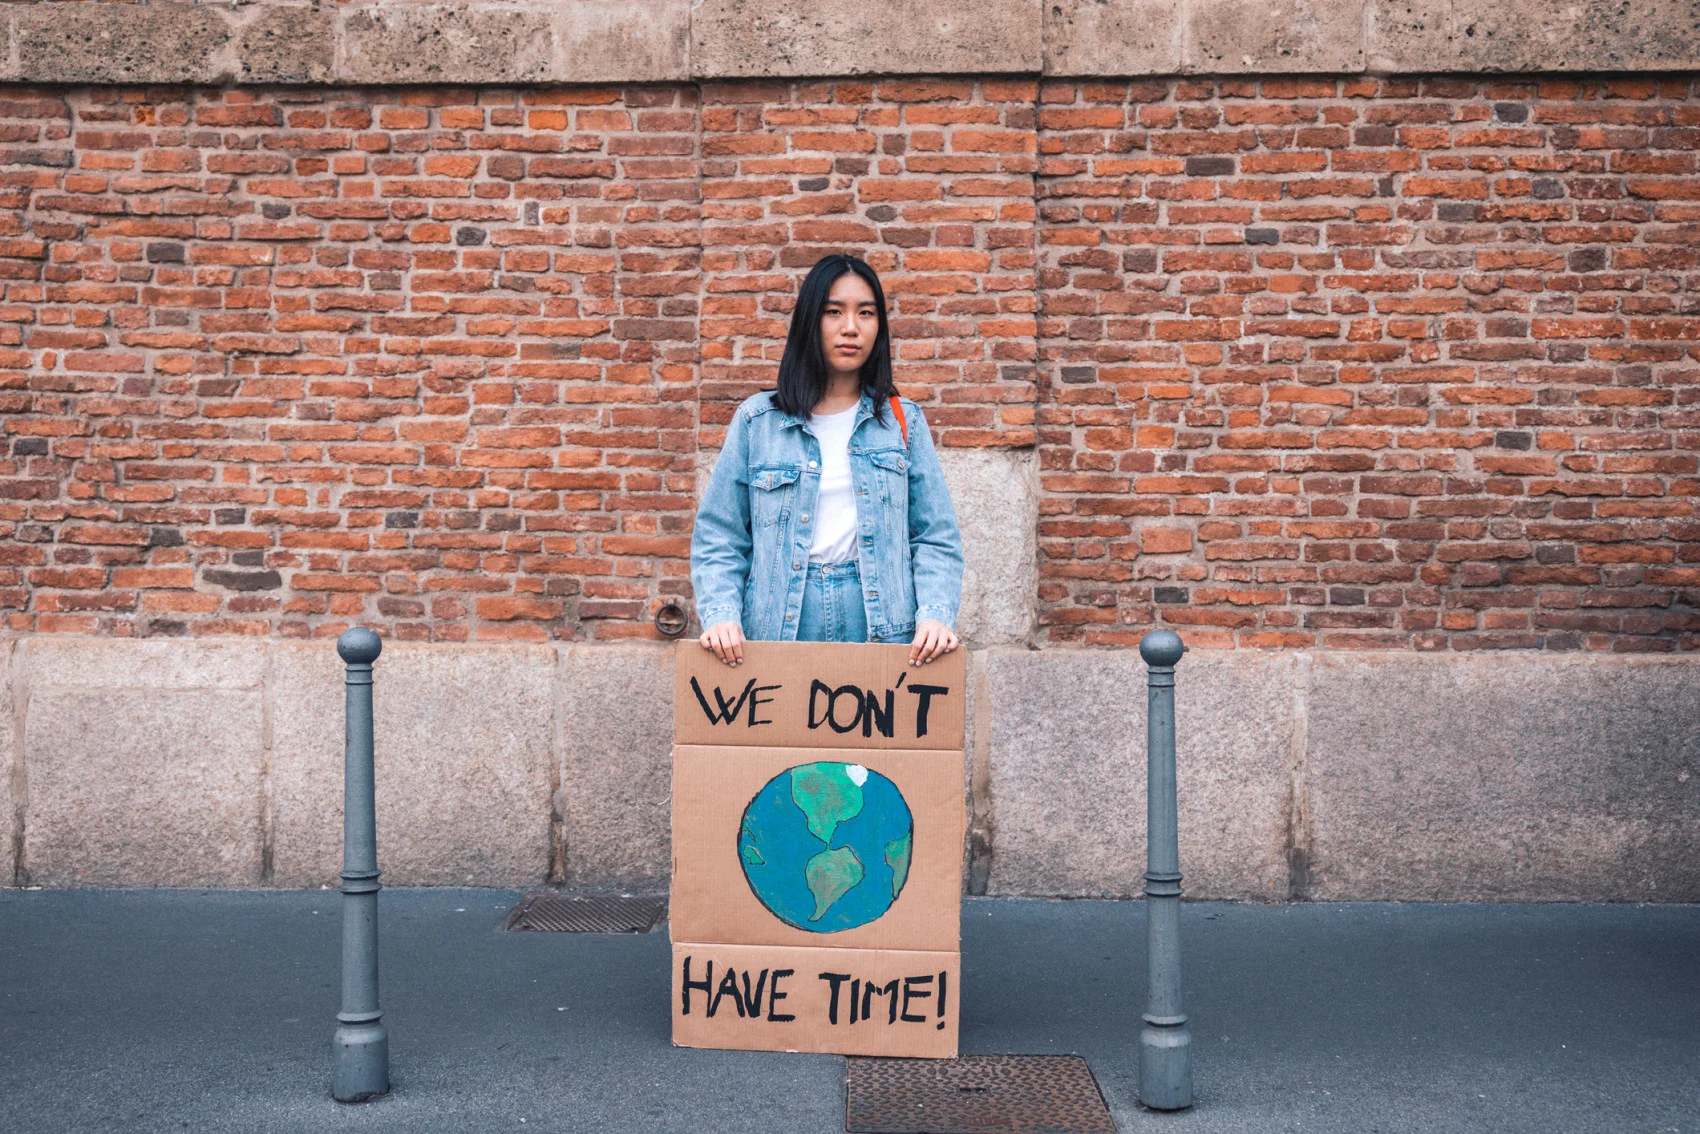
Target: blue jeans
x=832 y=605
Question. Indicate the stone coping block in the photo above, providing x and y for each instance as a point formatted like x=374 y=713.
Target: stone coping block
x=11 y=725
x=464 y=740
x=1115 y=37
x=286 y=43
x=1487 y=778
x=1276 y=36
x=623 y=41
x=1533 y=35
x=746 y=39
x=616 y=777
x=377 y=43
x=1067 y=772
x=120 y=43
x=447 y=43
x=144 y=786
x=646 y=41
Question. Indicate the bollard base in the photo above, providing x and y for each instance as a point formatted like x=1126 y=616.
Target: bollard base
x=362 y=1062
x=1165 y=1068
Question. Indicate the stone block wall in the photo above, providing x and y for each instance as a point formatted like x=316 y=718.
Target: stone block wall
x=1303 y=774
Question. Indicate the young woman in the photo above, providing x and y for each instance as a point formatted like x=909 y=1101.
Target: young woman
x=827 y=518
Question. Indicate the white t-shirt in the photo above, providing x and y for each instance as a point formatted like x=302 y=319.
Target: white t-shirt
x=834 y=539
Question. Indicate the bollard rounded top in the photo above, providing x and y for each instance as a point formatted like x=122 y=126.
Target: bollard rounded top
x=359 y=645
x=1161 y=647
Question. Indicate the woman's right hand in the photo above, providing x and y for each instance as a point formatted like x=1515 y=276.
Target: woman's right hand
x=726 y=639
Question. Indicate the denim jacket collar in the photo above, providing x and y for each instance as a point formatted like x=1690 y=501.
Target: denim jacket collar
x=864 y=411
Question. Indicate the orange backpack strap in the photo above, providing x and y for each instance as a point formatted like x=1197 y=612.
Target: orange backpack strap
x=902 y=422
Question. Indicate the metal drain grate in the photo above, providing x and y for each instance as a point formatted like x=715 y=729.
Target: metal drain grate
x=975 y=1094
x=550 y=911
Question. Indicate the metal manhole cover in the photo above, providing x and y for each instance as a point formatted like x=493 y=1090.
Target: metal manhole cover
x=551 y=911
x=975 y=1094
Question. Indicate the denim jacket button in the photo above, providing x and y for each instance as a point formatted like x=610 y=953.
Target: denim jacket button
x=805 y=517
x=812 y=464
x=796 y=566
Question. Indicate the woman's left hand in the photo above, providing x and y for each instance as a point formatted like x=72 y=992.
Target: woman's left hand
x=931 y=640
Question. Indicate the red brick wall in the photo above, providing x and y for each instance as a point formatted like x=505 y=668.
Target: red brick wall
x=1336 y=363
x=931 y=182
x=1371 y=363
x=278 y=361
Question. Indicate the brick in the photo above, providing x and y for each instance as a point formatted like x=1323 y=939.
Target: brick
x=1164 y=541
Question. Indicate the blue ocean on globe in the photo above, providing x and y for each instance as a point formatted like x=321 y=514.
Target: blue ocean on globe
x=826 y=846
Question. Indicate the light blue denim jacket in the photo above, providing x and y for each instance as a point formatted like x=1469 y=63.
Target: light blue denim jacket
x=750 y=547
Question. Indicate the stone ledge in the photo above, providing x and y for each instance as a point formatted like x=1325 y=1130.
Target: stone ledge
x=1386 y=776
x=1230 y=37
x=1524 y=35
x=1354 y=777
x=647 y=41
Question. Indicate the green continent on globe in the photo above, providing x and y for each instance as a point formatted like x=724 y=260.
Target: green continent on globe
x=748 y=838
x=828 y=793
x=897 y=857
x=831 y=874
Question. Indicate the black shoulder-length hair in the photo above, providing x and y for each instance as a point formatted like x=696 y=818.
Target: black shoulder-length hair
x=803 y=370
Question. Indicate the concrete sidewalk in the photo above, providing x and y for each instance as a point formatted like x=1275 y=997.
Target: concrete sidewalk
x=186 y=1010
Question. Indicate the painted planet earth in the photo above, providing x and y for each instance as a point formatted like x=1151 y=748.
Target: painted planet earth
x=826 y=846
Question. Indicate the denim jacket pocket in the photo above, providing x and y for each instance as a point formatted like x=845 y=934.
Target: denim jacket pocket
x=892 y=476
x=771 y=494
x=894 y=459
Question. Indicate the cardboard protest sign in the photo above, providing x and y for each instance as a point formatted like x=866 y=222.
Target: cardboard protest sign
x=817 y=849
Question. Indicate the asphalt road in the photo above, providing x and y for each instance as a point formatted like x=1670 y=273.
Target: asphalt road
x=213 y=1011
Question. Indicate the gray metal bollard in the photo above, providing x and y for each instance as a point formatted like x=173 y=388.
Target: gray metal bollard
x=1165 y=1044
x=362 y=1043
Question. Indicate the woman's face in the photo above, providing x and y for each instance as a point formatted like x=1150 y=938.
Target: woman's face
x=849 y=324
